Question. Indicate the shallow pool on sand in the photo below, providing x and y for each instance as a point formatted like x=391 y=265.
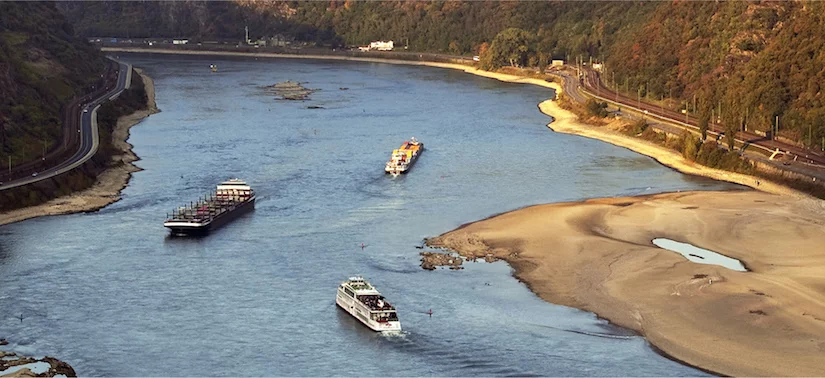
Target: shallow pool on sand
x=699 y=255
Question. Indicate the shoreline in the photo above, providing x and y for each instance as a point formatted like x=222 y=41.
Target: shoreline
x=768 y=321
x=563 y=121
x=107 y=191
x=109 y=183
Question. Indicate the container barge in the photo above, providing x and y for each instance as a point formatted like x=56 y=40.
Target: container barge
x=404 y=157
x=231 y=199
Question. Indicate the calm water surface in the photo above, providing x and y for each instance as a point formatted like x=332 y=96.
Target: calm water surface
x=112 y=294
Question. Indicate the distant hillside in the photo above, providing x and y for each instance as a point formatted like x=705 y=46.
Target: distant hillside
x=753 y=60
x=42 y=66
x=198 y=20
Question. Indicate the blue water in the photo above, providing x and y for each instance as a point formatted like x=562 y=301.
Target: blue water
x=112 y=294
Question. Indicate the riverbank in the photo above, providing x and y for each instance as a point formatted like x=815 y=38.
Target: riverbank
x=564 y=121
x=106 y=189
x=597 y=255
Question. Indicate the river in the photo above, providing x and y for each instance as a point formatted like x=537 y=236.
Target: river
x=112 y=294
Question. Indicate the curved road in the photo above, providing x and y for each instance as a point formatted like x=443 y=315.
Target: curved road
x=596 y=88
x=89 y=137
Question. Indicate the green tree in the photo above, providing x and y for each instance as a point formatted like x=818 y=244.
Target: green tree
x=511 y=46
x=544 y=60
x=704 y=119
x=690 y=145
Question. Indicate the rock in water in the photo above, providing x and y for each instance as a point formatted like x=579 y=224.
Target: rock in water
x=431 y=260
x=290 y=90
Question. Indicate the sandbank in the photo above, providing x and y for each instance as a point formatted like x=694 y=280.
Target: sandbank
x=597 y=255
x=110 y=182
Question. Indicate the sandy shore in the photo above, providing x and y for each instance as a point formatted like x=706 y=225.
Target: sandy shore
x=109 y=183
x=598 y=256
x=564 y=120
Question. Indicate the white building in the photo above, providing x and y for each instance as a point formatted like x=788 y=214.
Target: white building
x=180 y=41
x=381 y=46
x=557 y=63
x=597 y=67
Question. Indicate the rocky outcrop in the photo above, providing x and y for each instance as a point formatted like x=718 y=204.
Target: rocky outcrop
x=10 y=361
x=432 y=260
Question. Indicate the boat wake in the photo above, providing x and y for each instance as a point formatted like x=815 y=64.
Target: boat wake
x=445 y=353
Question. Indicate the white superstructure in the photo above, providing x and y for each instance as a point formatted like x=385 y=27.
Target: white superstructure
x=403 y=158
x=361 y=300
x=235 y=189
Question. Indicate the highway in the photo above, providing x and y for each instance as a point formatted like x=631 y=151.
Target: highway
x=596 y=88
x=89 y=137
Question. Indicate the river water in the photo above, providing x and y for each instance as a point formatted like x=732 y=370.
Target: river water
x=112 y=294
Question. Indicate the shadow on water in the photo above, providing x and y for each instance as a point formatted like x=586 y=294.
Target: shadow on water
x=190 y=239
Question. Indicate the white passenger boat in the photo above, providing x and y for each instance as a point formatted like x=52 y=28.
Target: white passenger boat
x=361 y=300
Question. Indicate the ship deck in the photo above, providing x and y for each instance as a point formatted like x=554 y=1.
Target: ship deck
x=372 y=301
x=205 y=211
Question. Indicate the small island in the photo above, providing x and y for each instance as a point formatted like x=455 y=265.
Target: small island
x=291 y=90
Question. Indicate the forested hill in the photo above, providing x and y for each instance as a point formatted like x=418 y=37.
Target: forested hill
x=42 y=66
x=753 y=60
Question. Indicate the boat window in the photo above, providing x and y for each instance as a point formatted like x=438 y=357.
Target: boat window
x=349 y=292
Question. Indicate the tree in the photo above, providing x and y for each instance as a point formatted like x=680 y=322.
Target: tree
x=704 y=118
x=511 y=46
x=732 y=125
x=482 y=48
x=543 y=61
x=690 y=146
x=596 y=108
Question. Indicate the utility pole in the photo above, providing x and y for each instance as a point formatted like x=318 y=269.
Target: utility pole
x=686 y=111
x=639 y=98
x=44 y=150
x=9 y=164
x=777 y=127
x=694 y=102
x=662 y=104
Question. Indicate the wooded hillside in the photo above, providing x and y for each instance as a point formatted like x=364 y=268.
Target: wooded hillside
x=42 y=66
x=753 y=60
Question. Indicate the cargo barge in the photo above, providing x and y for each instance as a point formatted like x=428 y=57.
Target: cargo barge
x=404 y=157
x=231 y=199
